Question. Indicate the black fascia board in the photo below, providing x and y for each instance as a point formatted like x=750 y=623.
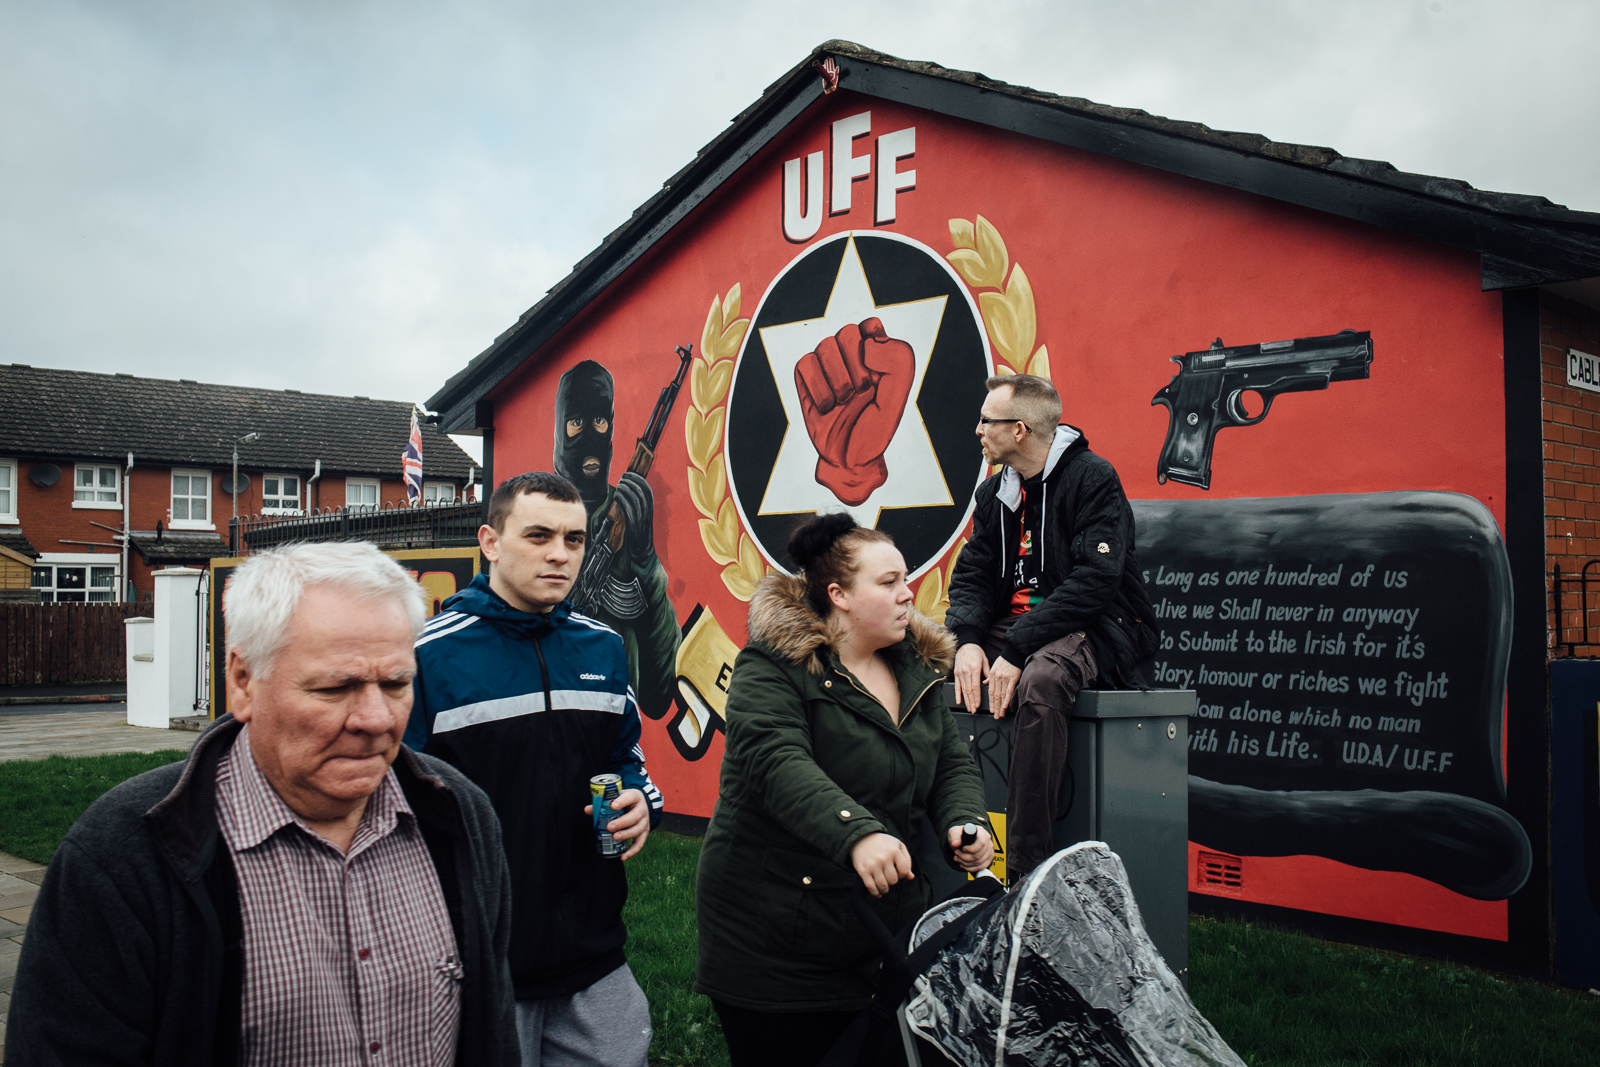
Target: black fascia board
x=457 y=402
x=1546 y=251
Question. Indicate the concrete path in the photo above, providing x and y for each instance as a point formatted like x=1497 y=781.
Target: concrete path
x=83 y=733
x=19 y=884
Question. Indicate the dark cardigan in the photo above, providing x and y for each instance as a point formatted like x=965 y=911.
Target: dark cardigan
x=134 y=949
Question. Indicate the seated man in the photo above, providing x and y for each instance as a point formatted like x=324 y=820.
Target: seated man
x=302 y=889
x=1047 y=597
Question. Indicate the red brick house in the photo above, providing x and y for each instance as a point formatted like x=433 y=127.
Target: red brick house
x=80 y=451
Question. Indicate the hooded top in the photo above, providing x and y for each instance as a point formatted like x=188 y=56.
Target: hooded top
x=1090 y=580
x=584 y=394
x=530 y=707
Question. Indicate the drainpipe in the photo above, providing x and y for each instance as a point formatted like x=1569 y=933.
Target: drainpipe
x=472 y=473
x=316 y=477
x=127 y=529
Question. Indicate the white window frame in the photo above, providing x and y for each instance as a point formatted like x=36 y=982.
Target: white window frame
x=97 y=488
x=377 y=493
x=88 y=561
x=448 y=487
x=211 y=502
x=8 y=514
x=300 y=484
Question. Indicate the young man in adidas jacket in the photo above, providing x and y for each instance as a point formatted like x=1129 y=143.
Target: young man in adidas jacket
x=530 y=700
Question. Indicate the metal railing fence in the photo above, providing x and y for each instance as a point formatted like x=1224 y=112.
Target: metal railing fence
x=389 y=527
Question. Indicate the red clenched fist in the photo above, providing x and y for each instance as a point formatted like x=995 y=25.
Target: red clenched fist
x=853 y=390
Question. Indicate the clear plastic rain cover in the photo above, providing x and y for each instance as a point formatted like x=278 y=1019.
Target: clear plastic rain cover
x=1060 y=972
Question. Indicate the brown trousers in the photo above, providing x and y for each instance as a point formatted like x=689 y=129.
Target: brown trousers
x=1040 y=712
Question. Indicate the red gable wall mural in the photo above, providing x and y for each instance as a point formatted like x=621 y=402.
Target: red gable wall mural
x=1308 y=412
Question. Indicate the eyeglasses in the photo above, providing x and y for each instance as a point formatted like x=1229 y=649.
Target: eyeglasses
x=984 y=420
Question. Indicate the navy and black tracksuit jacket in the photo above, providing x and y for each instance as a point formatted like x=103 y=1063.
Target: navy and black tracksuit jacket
x=530 y=707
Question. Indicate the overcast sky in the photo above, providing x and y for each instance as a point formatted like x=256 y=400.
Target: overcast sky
x=358 y=197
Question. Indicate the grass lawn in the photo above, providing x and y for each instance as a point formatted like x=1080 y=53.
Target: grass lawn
x=661 y=947
x=1281 y=999
x=41 y=799
x=1285 y=1000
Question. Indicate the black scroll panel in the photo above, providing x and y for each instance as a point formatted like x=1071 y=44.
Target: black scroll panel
x=1349 y=652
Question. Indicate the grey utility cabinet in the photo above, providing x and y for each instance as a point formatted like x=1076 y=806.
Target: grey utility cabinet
x=1126 y=785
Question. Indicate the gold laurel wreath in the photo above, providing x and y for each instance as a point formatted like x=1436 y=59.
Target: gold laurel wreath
x=1010 y=318
x=1009 y=315
x=709 y=380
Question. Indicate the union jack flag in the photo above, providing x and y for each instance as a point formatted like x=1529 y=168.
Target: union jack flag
x=411 y=461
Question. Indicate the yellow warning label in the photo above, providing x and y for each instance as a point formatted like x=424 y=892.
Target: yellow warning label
x=997 y=822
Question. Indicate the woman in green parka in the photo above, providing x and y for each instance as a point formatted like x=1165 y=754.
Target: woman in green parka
x=838 y=743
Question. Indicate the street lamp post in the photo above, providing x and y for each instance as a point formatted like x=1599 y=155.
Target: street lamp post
x=237 y=441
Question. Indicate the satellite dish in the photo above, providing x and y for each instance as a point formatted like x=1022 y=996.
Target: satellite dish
x=44 y=474
x=229 y=485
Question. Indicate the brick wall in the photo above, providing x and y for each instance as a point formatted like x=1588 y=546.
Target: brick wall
x=50 y=522
x=1571 y=464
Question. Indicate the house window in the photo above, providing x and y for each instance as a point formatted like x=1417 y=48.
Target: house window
x=360 y=493
x=280 y=492
x=75 y=584
x=438 y=492
x=191 y=499
x=8 y=490
x=97 y=486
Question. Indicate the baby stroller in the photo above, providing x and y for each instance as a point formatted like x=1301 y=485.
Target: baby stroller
x=1057 y=971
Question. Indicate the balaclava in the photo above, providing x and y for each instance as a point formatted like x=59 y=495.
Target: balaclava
x=585 y=393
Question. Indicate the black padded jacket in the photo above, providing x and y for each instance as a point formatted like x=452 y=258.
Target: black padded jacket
x=1091 y=582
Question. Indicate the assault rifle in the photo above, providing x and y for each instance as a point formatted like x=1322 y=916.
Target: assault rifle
x=1207 y=393
x=607 y=542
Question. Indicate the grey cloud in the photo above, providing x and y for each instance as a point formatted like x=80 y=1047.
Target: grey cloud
x=358 y=197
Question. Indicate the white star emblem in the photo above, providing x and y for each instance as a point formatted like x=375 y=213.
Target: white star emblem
x=914 y=476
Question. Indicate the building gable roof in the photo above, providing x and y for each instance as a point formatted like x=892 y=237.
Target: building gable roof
x=1522 y=240
x=79 y=415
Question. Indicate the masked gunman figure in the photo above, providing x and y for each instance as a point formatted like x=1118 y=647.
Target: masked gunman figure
x=632 y=598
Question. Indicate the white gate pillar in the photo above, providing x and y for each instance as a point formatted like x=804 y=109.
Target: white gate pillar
x=143 y=709
x=178 y=622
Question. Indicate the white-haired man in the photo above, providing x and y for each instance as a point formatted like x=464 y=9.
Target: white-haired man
x=301 y=890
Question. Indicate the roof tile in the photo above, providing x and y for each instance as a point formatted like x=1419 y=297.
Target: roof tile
x=82 y=415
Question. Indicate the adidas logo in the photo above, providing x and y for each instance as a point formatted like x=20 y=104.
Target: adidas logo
x=592 y=677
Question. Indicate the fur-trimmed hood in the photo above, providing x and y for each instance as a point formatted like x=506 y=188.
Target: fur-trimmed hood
x=782 y=619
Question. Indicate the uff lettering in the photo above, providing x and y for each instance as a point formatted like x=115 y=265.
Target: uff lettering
x=803 y=178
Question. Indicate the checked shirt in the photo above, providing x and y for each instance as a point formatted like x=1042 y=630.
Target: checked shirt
x=349 y=958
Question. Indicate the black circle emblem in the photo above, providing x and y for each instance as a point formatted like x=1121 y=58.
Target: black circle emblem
x=857 y=389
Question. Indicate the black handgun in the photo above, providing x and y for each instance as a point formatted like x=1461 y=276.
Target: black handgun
x=1207 y=393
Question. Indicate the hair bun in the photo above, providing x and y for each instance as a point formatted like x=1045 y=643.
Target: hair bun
x=814 y=537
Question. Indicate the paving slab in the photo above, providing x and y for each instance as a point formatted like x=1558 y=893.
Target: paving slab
x=17 y=865
x=18 y=915
x=83 y=733
x=16 y=900
x=10 y=885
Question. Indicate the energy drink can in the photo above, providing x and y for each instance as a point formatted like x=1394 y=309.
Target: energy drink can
x=603 y=789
